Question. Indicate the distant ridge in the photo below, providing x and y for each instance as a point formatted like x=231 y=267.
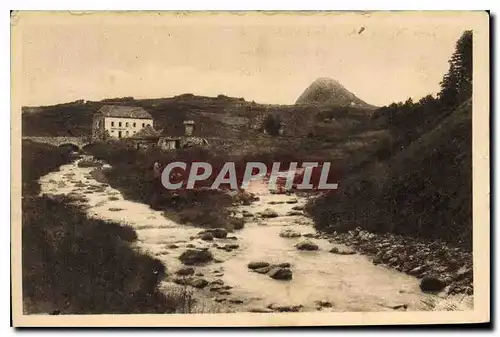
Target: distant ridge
x=327 y=91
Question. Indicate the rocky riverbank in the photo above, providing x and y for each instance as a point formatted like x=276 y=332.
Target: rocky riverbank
x=438 y=265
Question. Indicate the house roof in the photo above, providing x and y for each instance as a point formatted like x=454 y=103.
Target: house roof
x=124 y=112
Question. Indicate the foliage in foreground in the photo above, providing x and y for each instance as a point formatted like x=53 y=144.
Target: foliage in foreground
x=73 y=264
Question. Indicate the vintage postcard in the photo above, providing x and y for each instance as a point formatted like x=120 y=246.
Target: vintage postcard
x=197 y=169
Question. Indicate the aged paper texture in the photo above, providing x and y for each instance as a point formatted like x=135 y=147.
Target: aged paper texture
x=134 y=198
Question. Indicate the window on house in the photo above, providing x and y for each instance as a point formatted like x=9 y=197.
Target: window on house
x=134 y=124
x=126 y=132
x=143 y=124
x=112 y=123
x=126 y=124
x=119 y=123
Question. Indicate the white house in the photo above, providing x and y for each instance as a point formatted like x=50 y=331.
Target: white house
x=118 y=121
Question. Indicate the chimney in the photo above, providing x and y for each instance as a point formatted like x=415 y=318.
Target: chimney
x=188 y=128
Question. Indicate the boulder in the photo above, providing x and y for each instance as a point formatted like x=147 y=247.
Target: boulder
x=263 y=270
x=279 y=273
x=289 y=233
x=198 y=283
x=185 y=271
x=257 y=264
x=219 y=233
x=196 y=256
x=308 y=235
x=432 y=284
x=294 y=213
x=269 y=213
x=292 y=201
x=284 y=265
x=207 y=236
x=232 y=246
x=307 y=245
x=298 y=208
x=235 y=301
x=336 y=250
x=215 y=287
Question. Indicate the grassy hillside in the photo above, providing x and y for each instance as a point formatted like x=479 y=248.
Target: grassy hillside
x=424 y=189
x=215 y=117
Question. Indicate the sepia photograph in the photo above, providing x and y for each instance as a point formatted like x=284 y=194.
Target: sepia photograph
x=205 y=168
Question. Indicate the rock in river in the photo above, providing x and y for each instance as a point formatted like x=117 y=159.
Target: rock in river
x=336 y=250
x=185 y=271
x=257 y=264
x=207 y=236
x=269 y=213
x=263 y=270
x=280 y=273
x=219 y=233
x=199 y=283
x=306 y=245
x=196 y=256
x=289 y=233
x=432 y=284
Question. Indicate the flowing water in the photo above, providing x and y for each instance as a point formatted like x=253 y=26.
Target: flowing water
x=346 y=282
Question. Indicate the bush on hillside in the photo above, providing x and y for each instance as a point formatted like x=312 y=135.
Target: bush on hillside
x=423 y=190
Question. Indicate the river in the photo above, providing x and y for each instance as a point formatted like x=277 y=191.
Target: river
x=321 y=280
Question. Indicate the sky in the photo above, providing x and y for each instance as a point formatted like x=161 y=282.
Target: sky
x=265 y=58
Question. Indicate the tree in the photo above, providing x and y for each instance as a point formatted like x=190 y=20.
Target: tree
x=426 y=100
x=456 y=85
